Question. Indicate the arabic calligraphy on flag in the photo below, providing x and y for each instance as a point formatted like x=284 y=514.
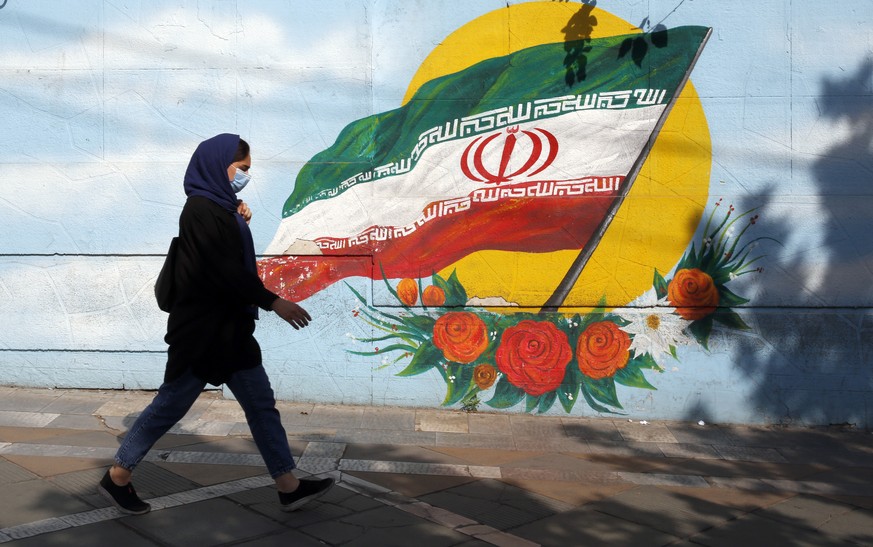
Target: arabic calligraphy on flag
x=501 y=156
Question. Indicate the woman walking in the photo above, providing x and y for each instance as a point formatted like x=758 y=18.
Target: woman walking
x=211 y=326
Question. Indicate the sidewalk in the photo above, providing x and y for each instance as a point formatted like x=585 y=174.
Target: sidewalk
x=429 y=478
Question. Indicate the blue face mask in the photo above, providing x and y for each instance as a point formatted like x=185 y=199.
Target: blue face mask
x=240 y=180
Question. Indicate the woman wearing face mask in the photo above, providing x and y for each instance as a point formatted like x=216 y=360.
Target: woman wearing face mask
x=211 y=325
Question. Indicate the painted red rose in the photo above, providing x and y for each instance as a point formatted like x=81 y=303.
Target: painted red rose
x=461 y=335
x=693 y=293
x=534 y=355
x=602 y=350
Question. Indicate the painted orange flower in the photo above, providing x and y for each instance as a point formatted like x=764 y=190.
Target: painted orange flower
x=693 y=293
x=461 y=335
x=433 y=296
x=407 y=291
x=602 y=350
x=534 y=355
x=484 y=375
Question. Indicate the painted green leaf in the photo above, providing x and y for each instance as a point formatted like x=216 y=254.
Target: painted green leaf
x=701 y=330
x=730 y=319
x=460 y=381
x=660 y=285
x=603 y=390
x=456 y=296
x=592 y=403
x=427 y=357
x=531 y=402
x=567 y=395
x=547 y=400
x=422 y=323
x=644 y=361
x=728 y=299
x=505 y=394
x=632 y=377
x=386 y=349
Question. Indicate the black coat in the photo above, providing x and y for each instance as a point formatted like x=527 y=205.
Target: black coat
x=211 y=325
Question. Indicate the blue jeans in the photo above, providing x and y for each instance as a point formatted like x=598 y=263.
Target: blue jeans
x=254 y=394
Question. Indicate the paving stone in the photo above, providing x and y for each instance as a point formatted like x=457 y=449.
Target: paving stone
x=804 y=510
x=738 y=468
x=660 y=479
x=200 y=427
x=334 y=532
x=441 y=422
x=33 y=500
x=593 y=430
x=11 y=473
x=374 y=436
x=324 y=450
x=489 y=424
x=387 y=452
x=71 y=403
x=210 y=522
x=101 y=533
x=83 y=484
x=207 y=475
x=152 y=481
x=478 y=441
x=392 y=419
x=391 y=526
x=77 y=421
x=413 y=486
x=553 y=444
x=102 y=439
x=11 y=418
x=47 y=466
x=665 y=510
x=27 y=401
x=536 y=426
x=630 y=449
x=223 y=411
x=838 y=457
x=685 y=450
x=688 y=433
x=853 y=527
x=284 y=539
x=494 y=503
x=750 y=454
x=588 y=527
x=484 y=456
x=651 y=433
x=744 y=500
x=573 y=493
x=224 y=445
x=336 y=417
x=756 y=530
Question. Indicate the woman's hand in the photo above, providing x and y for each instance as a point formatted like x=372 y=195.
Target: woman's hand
x=296 y=316
x=243 y=209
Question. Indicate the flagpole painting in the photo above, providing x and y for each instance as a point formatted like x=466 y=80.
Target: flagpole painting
x=510 y=155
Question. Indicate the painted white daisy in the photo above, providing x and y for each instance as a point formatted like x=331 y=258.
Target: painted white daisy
x=654 y=326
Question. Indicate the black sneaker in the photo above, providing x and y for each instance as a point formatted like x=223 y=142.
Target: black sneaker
x=308 y=490
x=124 y=498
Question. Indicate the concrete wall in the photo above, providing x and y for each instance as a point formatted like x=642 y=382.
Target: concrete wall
x=103 y=101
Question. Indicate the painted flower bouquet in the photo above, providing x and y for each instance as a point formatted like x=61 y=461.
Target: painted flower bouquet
x=539 y=358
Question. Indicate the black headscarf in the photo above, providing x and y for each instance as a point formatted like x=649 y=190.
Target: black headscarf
x=207 y=177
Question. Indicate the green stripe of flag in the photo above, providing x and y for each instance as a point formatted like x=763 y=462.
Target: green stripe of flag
x=529 y=75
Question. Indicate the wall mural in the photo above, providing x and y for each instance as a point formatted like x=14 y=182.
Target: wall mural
x=485 y=203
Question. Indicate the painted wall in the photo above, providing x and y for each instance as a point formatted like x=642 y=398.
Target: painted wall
x=102 y=103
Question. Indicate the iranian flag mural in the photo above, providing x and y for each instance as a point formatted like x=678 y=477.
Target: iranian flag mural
x=504 y=155
x=524 y=154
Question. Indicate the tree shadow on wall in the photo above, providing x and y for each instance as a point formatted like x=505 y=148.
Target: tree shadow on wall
x=813 y=364
x=577 y=37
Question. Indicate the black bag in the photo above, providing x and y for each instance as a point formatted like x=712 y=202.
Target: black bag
x=165 y=292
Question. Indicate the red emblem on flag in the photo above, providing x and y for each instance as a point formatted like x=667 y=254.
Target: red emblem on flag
x=543 y=148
